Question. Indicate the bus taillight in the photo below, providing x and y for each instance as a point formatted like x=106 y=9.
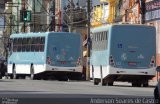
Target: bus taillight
x=48 y=60
x=63 y=62
x=152 y=62
x=111 y=61
x=79 y=61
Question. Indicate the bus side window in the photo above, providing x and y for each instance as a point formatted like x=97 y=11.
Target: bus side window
x=42 y=41
x=106 y=38
x=28 y=45
x=15 y=44
x=24 y=44
x=19 y=45
x=32 y=44
x=37 y=45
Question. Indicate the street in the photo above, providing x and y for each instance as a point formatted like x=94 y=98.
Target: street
x=40 y=91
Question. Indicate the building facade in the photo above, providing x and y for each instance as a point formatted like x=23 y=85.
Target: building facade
x=152 y=17
x=39 y=16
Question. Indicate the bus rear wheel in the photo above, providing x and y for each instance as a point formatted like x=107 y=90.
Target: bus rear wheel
x=32 y=71
x=136 y=84
x=110 y=83
x=63 y=78
x=0 y=76
x=96 y=81
x=75 y=76
x=145 y=84
x=104 y=82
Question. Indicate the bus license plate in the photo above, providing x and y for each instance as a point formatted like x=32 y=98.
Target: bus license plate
x=132 y=63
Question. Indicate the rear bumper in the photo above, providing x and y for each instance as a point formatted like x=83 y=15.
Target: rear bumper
x=108 y=71
x=64 y=69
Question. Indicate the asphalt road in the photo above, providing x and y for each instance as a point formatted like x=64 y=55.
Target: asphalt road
x=72 y=92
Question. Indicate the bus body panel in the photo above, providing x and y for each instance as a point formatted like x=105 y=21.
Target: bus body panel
x=23 y=60
x=129 y=56
x=22 y=57
x=64 y=53
x=109 y=70
x=133 y=47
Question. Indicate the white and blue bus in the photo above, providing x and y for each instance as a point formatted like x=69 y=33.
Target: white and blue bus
x=57 y=54
x=123 y=52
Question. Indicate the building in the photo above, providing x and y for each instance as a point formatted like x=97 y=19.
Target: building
x=39 y=11
x=2 y=28
x=105 y=13
x=133 y=11
x=152 y=17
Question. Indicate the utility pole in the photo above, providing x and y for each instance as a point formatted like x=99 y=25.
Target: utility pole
x=24 y=22
x=71 y=16
x=17 y=6
x=53 y=18
x=52 y=9
x=142 y=10
x=11 y=23
x=34 y=10
x=17 y=19
x=88 y=40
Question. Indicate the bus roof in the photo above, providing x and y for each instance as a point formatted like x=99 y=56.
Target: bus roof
x=107 y=27
x=39 y=34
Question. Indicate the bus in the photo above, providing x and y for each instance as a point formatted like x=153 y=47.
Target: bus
x=123 y=52
x=45 y=55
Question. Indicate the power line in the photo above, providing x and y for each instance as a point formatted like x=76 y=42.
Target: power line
x=7 y=22
x=43 y=7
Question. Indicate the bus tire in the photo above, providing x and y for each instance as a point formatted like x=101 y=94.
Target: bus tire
x=14 y=72
x=96 y=81
x=37 y=77
x=75 y=76
x=104 y=82
x=32 y=72
x=136 y=84
x=110 y=83
x=63 y=78
x=145 y=84
x=44 y=76
x=0 y=76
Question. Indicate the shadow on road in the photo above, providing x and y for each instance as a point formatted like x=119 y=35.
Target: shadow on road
x=3 y=80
